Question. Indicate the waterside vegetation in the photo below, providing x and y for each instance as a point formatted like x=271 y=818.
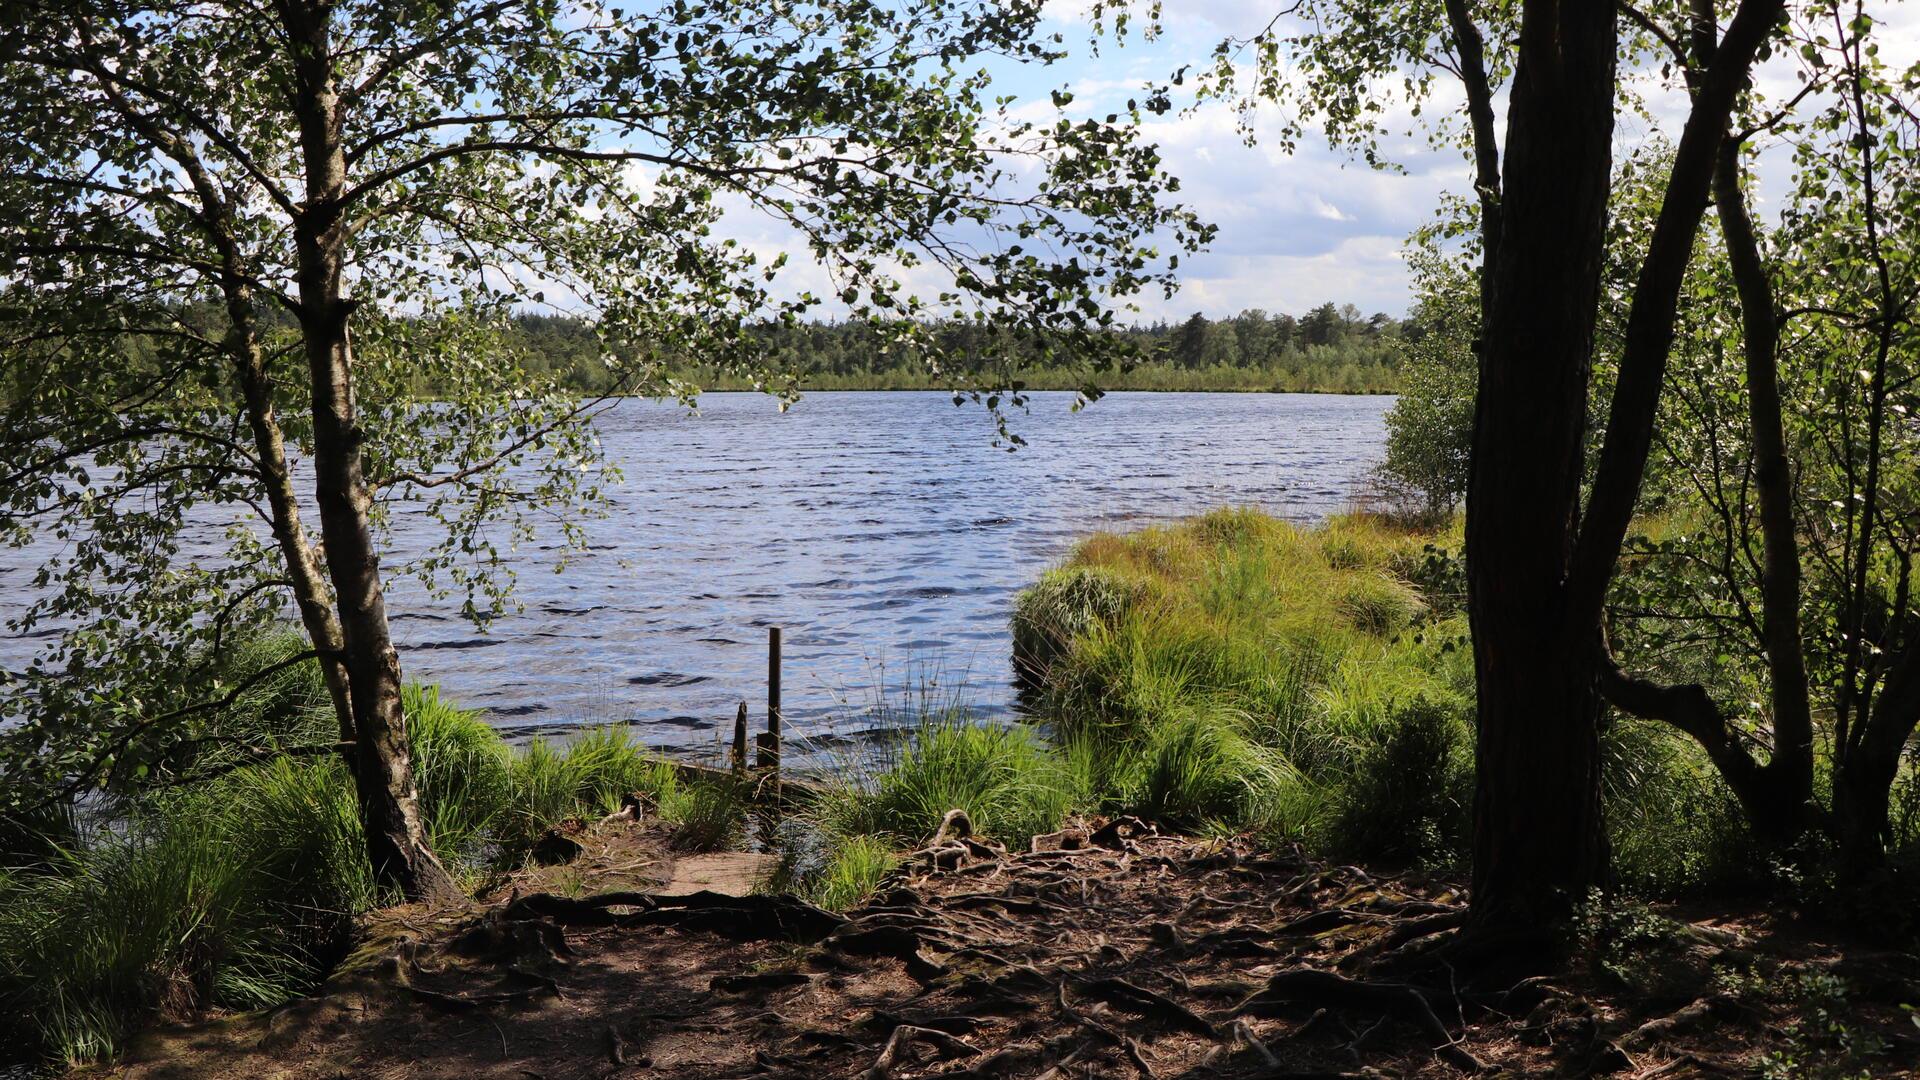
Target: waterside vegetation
x=241 y=891
x=1311 y=688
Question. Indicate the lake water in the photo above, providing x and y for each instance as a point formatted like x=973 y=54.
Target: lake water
x=883 y=531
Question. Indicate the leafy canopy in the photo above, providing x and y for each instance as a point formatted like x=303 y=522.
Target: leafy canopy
x=500 y=157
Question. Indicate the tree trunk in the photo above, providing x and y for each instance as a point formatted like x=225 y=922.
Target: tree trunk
x=1538 y=573
x=1538 y=841
x=290 y=534
x=1782 y=813
x=1777 y=794
x=1863 y=778
x=269 y=442
x=250 y=371
x=383 y=773
x=303 y=569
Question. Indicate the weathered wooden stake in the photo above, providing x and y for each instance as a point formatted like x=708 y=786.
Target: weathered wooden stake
x=739 y=758
x=770 y=745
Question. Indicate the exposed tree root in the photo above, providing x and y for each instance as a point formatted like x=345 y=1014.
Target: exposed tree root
x=1338 y=991
x=1125 y=995
x=740 y=918
x=1692 y=1017
x=1121 y=954
x=905 y=1035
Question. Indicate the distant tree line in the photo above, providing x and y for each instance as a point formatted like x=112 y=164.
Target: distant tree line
x=1332 y=348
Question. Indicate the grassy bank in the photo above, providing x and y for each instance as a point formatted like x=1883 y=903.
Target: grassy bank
x=240 y=892
x=1317 y=685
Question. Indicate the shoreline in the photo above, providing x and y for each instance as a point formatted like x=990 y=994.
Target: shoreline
x=1105 y=390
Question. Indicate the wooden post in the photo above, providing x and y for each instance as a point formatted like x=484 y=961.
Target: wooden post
x=738 y=761
x=770 y=745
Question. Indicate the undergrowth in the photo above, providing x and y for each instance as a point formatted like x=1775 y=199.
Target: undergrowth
x=240 y=891
x=1231 y=673
x=1237 y=672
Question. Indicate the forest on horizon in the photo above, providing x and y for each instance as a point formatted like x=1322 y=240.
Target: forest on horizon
x=1331 y=348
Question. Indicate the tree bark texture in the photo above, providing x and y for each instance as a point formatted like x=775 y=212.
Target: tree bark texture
x=389 y=800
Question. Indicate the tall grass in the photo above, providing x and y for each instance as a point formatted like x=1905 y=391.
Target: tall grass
x=1234 y=671
x=240 y=891
x=1260 y=675
x=234 y=895
x=1009 y=781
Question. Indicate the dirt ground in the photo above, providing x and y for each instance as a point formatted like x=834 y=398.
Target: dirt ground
x=1110 y=952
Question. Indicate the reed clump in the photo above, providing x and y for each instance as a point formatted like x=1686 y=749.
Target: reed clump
x=1237 y=672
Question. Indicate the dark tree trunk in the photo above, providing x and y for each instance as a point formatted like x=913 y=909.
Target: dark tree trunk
x=1538 y=842
x=1538 y=572
x=1863 y=778
x=1781 y=810
x=383 y=773
x=1775 y=795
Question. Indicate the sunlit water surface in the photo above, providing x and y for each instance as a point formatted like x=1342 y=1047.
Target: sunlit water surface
x=884 y=532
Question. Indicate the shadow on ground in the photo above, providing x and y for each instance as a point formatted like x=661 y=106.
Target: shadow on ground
x=1109 y=952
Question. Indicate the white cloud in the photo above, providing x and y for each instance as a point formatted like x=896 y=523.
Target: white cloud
x=1302 y=226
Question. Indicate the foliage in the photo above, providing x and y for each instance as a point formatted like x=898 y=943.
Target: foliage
x=1062 y=605
x=1331 y=349
x=237 y=240
x=1010 y=783
x=1695 y=598
x=1822 y=1041
x=466 y=774
x=590 y=774
x=1248 y=689
x=240 y=891
x=1430 y=427
x=1409 y=797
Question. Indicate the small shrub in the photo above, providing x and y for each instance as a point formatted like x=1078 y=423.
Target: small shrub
x=1438 y=573
x=1410 y=793
x=1009 y=783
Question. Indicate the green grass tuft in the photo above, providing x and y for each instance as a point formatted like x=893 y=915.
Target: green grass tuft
x=854 y=870
x=707 y=816
x=1064 y=605
x=1010 y=783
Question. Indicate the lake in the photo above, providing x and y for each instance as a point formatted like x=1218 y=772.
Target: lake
x=883 y=531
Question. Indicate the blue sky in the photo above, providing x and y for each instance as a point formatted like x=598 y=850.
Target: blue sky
x=1303 y=227
x=1296 y=230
